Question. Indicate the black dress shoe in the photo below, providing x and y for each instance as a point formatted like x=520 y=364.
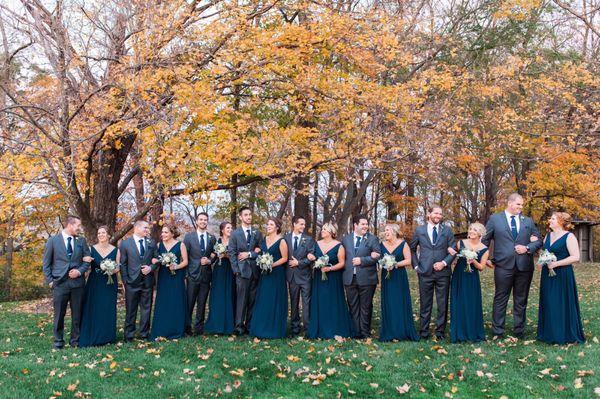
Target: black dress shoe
x=520 y=335
x=59 y=347
x=440 y=337
x=238 y=332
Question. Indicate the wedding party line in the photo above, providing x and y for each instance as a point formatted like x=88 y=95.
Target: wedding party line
x=251 y=280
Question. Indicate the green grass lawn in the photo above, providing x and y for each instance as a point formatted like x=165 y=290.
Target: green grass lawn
x=214 y=366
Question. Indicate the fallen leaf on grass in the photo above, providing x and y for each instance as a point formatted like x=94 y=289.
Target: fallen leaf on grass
x=237 y=372
x=73 y=387
x=403 y=389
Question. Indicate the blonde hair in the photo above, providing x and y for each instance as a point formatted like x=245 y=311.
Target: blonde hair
x=331 y=228
x=479 y=228
x=564 y=219
x=395 y=229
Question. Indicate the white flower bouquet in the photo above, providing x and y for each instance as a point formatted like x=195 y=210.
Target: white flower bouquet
x=320 y=263
x=265 y=262
x=388 y=262
x=168 y=258
x=545 y=258
x=109 y=267
x=468 y=254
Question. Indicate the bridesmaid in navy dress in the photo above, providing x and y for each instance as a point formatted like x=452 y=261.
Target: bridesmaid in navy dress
x=269 y=317
x=170 y=310
x=329 y=314
x=466 y=311
x=99 y=313
x=220 y=310
x=397 y=321
x=559 y=318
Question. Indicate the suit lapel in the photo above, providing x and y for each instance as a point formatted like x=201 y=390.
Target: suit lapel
x=196 y=239
x=507 y=226
x=135 y=245
x=61 y=245
x=521 y=226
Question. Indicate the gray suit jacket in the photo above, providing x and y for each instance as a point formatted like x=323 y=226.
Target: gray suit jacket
x=56 y=264
x=504 y=255
x=366 y=273
x=195 y=271
x=303 y=272
x=237 y=245
x=428 y=253
x=131 y=262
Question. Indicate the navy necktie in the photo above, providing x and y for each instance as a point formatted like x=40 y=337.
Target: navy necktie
x=358 y=241
x=434 y=235
x=513 y=227
x=142 y=249
x=295 y=243
x=69 y=247
x=202 y=244
x=248 y=238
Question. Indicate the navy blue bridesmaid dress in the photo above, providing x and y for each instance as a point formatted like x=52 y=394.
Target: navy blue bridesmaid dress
x=559 y=318
x=170 y=310
x=396 y=306
x=220 y=307
x=329 y=314
x=466 y=311
x=99 y=313
x=269 y=317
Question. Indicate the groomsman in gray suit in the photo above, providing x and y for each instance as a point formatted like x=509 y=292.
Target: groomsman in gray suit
x=432 y=259
x=516 y=239
x=64 y=267
x=200 y=245
x=299 y=272
x=137 y=271
x=360 y=274
x=242 y=244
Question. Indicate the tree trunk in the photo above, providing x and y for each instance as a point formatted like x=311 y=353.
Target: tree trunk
x=301 y=200
x=490 y=189
x=315 y=205
x=234 y=201
x=10 y=250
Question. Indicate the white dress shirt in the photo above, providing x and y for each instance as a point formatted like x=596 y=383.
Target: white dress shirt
x=355 y=237
x=294 y=236
x=205 y=235
x=137 y=243
x=517 y=220
x=430 y=227
x=65 y=237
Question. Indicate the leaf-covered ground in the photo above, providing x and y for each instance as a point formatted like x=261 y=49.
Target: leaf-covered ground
x=214 y=366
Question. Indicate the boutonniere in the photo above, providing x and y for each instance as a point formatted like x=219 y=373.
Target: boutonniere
x=303 y=240
x=522 y=217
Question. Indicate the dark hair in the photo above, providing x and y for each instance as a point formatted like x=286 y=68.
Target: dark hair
x=70 y=219
x=432 y=207
x=222 y=227
x=243 y=208
x=105 y=227
x=202 y=214
x=296 y=218
x=278 y=223
x=172 y=228
x=357 y=218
